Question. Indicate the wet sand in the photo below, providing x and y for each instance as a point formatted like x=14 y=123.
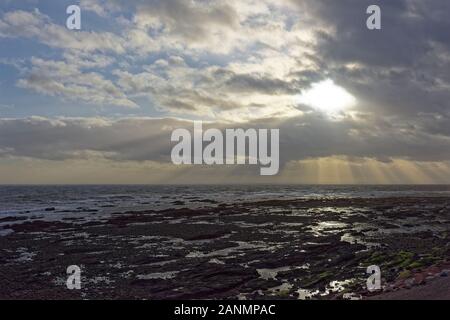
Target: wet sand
x=277 y=249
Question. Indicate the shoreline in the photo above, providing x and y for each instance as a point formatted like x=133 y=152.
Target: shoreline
x=274 y=249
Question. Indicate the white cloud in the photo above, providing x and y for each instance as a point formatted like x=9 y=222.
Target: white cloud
x=60 y=78
x=37 y=26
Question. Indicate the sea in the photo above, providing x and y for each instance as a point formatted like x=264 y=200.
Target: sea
x=51 y=199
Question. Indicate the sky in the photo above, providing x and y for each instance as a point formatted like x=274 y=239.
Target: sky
x=98 y=105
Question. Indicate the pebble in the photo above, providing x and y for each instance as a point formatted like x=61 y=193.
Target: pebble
x=419 y=279
x=409 y=283
x=429 y=278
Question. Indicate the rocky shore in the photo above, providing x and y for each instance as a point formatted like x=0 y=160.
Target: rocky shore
x=282 y=249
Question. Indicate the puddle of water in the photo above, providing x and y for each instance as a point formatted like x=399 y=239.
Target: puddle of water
x=103 y=279
x=158 y=275
x=285 y=287
x=216 y=261
x=227 y=251
x=331 y=225
x=347 y=237
x=337 y=286
x=162 y=263
x=292 y=224
x=24 y=255
x=351 y=296
x=304 y=294
x=268 y=274
x=5 y=232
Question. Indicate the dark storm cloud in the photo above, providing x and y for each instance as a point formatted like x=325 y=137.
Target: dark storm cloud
x=149 y=139
x=128 y=139
x=401 y=70
x=256 y=83
x=408 y=28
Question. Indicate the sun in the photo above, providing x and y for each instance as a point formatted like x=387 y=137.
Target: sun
x=327 y=97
